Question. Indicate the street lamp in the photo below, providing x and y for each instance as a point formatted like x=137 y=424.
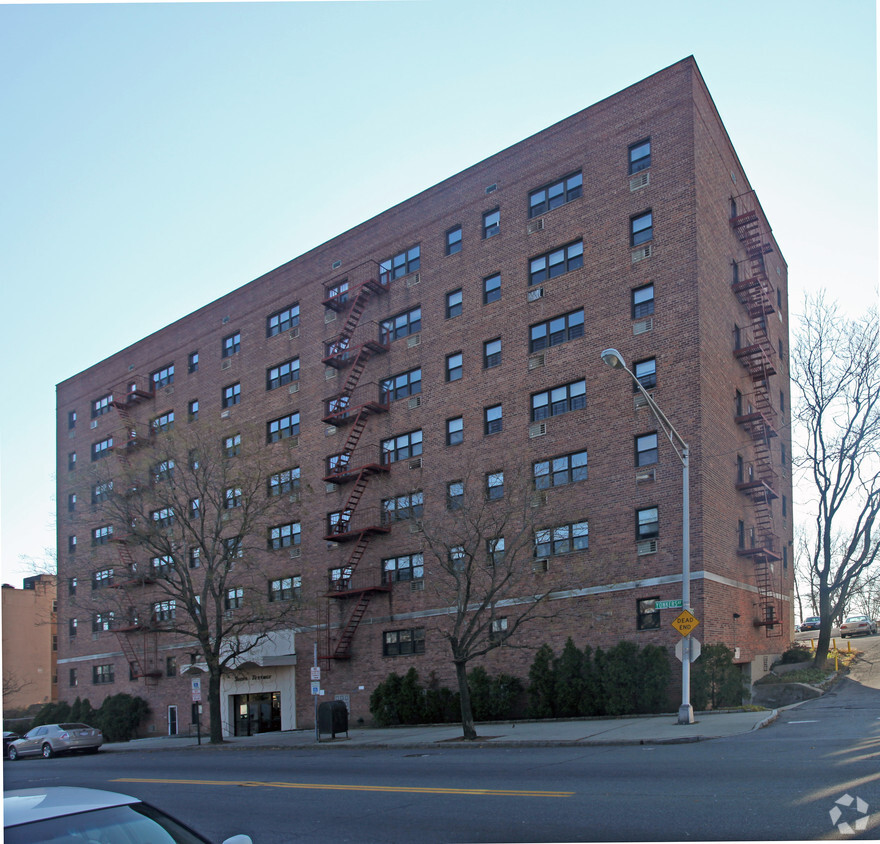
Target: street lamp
x=614 y=359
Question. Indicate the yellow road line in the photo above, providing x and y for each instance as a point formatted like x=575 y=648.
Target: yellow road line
x=475 y=792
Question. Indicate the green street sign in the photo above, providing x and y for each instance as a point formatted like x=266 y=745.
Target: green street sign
x=667 y=605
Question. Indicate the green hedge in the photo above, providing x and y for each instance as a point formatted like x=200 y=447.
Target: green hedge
x=118 y=718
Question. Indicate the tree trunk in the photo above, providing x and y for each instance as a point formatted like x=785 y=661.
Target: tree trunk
x=467 y=715
x=214 y=707
x=824 y=628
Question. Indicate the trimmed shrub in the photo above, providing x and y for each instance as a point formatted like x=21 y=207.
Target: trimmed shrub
x=542 y=685
x=796 y=654
x=120 y=715
x=570 y=685
x=492 y=698
x=654 y=674
x=51 y=713
x=620 y=679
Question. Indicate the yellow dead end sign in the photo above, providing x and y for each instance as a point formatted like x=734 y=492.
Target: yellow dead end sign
x=685 y=623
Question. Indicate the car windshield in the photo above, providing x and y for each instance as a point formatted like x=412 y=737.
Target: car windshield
x=853 y=618
x=75 y=726
x=117 y=825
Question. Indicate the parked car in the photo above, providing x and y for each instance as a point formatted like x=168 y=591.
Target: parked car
x=811 y=623
x=33 y=815
x=8 y=738
x=51 y=739
x=856 y=624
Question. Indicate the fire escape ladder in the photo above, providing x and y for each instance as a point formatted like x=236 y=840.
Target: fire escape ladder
x=342 y=648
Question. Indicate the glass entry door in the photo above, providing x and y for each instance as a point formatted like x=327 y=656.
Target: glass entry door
x=257 y=713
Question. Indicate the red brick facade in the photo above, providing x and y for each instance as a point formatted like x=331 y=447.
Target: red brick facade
x=718 y=336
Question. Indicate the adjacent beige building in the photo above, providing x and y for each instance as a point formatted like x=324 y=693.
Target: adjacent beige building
x=29 y=643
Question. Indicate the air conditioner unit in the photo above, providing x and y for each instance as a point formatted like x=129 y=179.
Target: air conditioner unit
x=224 y=414
x=328 y=487
x=640 y=181
x=330 y=430
x=413 y=340
x=537 y=430
x=640 y=254
x=538 y=499
x=293 y=388
x=646 y=546
x=413 y=280
x=645 y=475
x=294 y=333
x=226 y=364
x=643 y=325
x=292 y=442
x=295 y=552
x=536 y=294
x=536 y=361
x=417 y=586
x=329 y=315
x=535 y=226
x=415 y=464
x=329 y=373
x=414 y=402
x=539 y=566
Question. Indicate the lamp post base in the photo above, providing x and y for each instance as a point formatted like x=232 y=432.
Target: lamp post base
x=685 y=714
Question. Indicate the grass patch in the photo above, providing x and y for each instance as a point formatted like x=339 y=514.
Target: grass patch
x=812 y=676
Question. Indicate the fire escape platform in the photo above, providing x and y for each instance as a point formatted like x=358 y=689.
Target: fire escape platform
x=757 y=422
x=356 y=533
x=350 y=473
x=356 y=593
x=758 y=486
x=748 y=355
x=340 y=301
x=759 y=551
x=346 y=357
x=348 y=415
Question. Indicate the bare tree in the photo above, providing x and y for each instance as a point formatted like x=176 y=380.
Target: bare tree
x=13 y=684
x=193 y=514
x=836 y=370
x=481 y=552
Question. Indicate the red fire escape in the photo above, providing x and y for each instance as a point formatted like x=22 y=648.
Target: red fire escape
x=139 y=644
x=352 y=407
x=755 y=413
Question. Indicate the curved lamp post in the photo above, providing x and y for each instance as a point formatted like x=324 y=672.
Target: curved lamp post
x=614 y=359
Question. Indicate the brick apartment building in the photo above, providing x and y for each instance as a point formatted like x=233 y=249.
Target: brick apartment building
x=457 y=335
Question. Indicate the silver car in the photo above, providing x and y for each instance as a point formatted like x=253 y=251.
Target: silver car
x=58 y=813
x=50 y=739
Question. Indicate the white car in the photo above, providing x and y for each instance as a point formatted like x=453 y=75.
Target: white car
x=38 y=815
x=855 y=624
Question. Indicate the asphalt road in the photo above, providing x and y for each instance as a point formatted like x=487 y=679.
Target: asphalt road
x=780 y=783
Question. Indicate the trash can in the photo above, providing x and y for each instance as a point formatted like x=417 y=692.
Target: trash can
x=332 y=718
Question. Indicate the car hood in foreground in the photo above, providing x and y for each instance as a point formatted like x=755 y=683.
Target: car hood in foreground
x=27 y=805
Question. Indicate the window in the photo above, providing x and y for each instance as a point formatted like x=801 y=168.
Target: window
x=164 y=422
x=647 y=614
x=641 y=229
x=284 y=373
x=71 y=543
x=102 y=674
x=399 y=265
x=403 y=507
x=647 y=523
x=562 y=540
x=170 y=666
x=558 y=471
x=164 y=517
x=162 y=377
x=102 y=579
x=640 y=156
x=102 y=622
x=193 y=362
x=71 y=586
x=231 y=394
x=453 y=304
x=284 y=482
x=493 y=421
x=195 y=558
x=401 y=386
x=285 y=588
x=402 y=325
x=282 y=320
x=71 y=502
x=162 y=565
x=498 y=629
x=232 y=498
x=231 y=446
x=492 y=353
x=553 y=195
x=401 y=447
x=71 y=677
x=102 y=535
x=453 y=240
x=234 y=598
x=491 y=223
x=558 y=330
x=102 y=405
x=71 y=420
x=280 y=429
x=453 y=366
x=71 y=627
x=283 y=536
x=164 y=610
x=101 y=449
x=643 y=301
x=455 y=431
x=403 y=642
x=231 y=345
x=646 y=449
x=339 y=578
x=559 y=400
x=495 y=485
x=495 y=550
x=454 y=495
x=403 y=568
x=193 y=409
x=646 y=373
x=556 y=263
x=491 y=288
x=71 y=461
x=458 y=557
x=101 y=492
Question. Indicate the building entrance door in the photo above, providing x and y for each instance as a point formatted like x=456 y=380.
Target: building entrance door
x=172 y=720
x=257 y=713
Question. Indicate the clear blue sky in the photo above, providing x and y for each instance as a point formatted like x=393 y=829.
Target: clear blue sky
x=155 y=157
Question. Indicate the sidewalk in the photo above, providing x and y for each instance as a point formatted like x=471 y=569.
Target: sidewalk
x=652 y=729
